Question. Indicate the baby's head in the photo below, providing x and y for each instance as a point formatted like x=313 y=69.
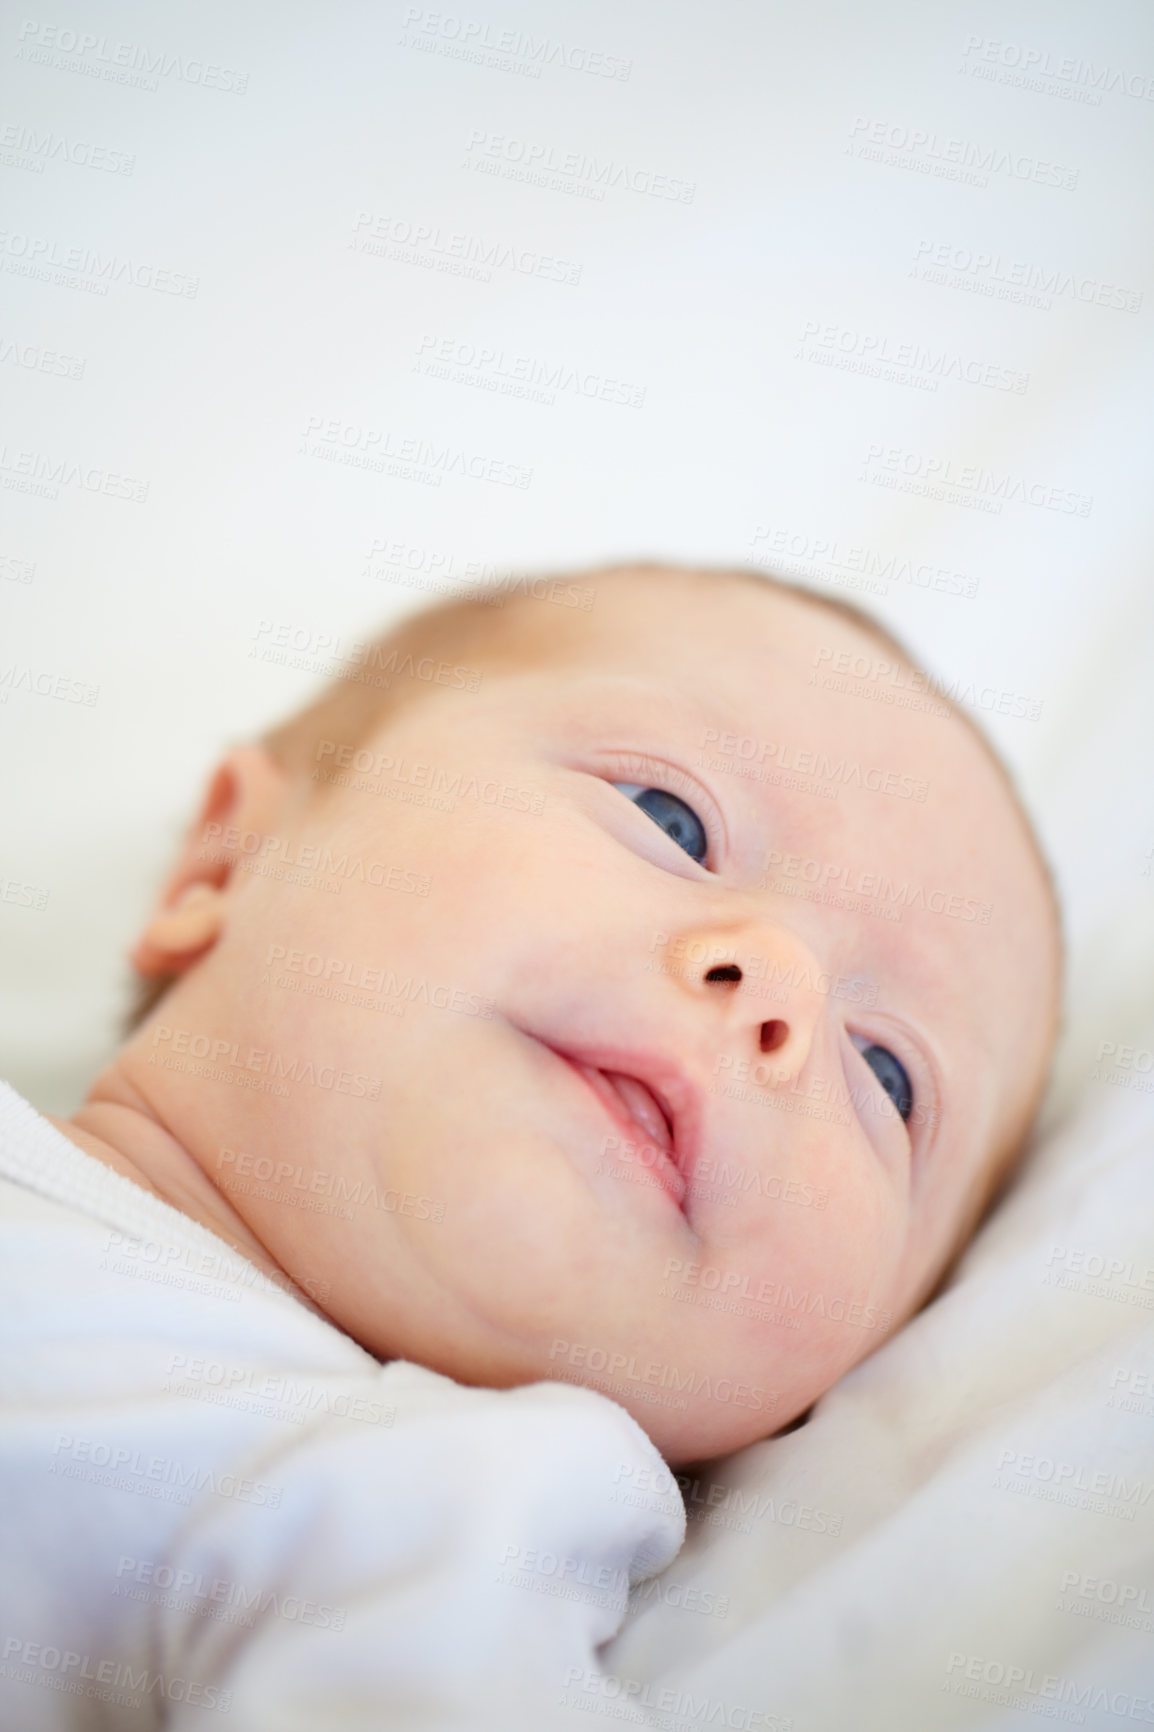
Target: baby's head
x=619 y=997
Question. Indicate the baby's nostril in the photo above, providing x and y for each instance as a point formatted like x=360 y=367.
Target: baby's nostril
x=727 y=971
x=773 y=1035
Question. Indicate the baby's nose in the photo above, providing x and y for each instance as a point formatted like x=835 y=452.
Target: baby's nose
x=774 y=1033
x=766 y=987
x=788 y=1036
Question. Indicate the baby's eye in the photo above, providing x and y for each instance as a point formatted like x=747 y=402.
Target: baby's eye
x=890 y=1072
x=679 y=821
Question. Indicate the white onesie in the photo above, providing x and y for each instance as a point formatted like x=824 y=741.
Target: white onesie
x=219 y=1511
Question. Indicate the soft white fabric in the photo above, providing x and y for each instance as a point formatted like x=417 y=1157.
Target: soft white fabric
x=217 y=1503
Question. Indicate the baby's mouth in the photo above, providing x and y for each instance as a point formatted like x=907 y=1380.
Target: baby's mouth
x=632 y=1102
x=642 y=1105
x=655 y=1142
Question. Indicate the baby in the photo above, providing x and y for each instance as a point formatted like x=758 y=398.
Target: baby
x=643 y=985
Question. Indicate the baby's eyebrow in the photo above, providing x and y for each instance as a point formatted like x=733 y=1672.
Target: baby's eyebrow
x=714 y=706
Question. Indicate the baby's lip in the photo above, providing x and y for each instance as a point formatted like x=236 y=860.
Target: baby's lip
x=678 y=1101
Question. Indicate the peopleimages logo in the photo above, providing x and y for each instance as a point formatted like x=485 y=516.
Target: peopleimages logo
x=597 y=1692
x=735 y=1283
x=1025 y=63
x=222 y=1054
x=972 y=480
x=214 y=1378
x=45 y=473
x=439 y=780
x=874 y=676
x=217 y=1596
x=383 y=450
x=640 y=1376
x=1076 y=1485
x=113 y=1681
x=43 y=684
x=746 y=755
x=820 y=880
x=303 y=861
x=526 y=377
x=1024 y=1688
x=506 y=50
x=467 y=255
x=127 y=1469
x=573 y=169
x=953 y=158
x=118 y=62
x=325 y=1193
x=35 y=255
x=1016 y=279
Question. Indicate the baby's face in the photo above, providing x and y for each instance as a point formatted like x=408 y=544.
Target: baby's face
x=839 y=993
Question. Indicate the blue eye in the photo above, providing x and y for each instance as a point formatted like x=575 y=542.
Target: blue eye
x=891 y=1073
x=679 y=821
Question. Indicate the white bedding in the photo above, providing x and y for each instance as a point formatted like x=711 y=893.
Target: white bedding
x=811 y=339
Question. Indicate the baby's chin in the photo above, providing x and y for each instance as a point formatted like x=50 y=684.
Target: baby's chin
x=706 y=1433
x=701 y=1414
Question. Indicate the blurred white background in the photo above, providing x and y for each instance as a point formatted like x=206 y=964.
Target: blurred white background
x=722 y=283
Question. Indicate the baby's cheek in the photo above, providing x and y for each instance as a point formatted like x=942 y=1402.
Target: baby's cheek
x=825 y=1251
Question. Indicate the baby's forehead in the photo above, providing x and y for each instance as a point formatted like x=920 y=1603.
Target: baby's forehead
x=764 y=664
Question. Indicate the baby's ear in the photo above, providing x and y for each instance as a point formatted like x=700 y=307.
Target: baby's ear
x=246 y=793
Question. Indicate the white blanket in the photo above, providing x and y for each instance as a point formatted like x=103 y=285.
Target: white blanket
x=217 y=1503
